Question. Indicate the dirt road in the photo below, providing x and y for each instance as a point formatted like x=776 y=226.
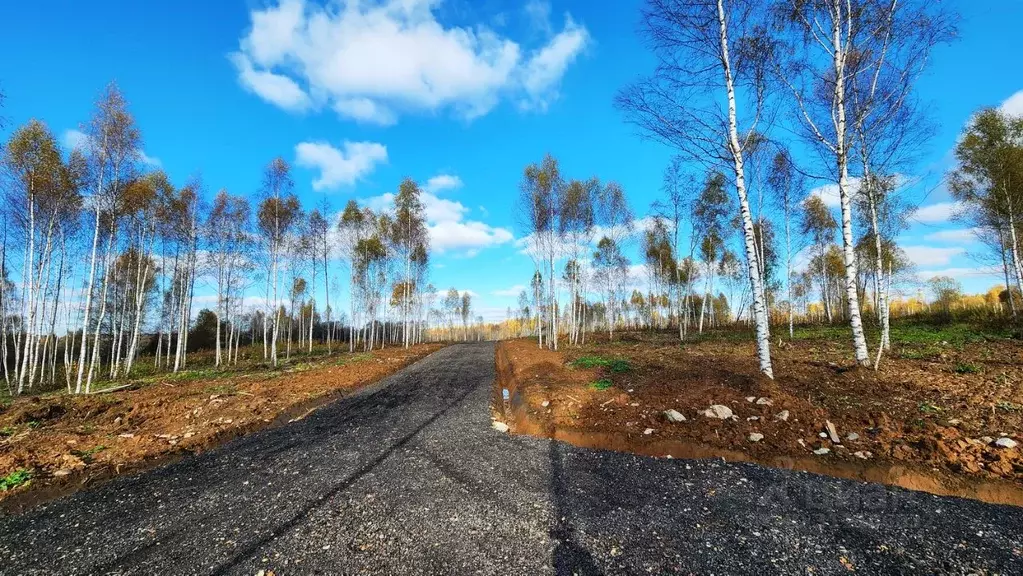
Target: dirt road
x=408 y=477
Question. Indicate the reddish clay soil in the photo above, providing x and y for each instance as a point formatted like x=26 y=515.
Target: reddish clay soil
x=920 y=424
x=68 y=441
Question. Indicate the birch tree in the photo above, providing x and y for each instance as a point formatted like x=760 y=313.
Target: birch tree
x=227 y=230
x=540 y=199
x=705 y=98
x=988 y=178
x=277 y=214
x=410 y=237
x=850 y=67
x=786 y=186
x=112 y=143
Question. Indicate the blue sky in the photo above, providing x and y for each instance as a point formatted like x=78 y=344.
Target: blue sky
x=465 y=93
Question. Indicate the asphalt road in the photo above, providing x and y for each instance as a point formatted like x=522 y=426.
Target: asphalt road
x=408 y=477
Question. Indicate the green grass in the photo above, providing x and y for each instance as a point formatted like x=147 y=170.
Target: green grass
x=909 y=332
x=919 y=353
x=614 y=365
x=966 y=368
x=354 y=358
x=928 y=408
x=602 y=384
x=19 y=477
x=1006 y=406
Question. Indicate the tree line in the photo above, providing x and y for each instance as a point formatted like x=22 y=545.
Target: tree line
x=101 y=255
x=761 y=103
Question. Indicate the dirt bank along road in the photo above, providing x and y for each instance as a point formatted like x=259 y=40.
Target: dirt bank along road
x=408 y=477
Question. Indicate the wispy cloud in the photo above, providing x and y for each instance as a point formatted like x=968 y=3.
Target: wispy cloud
x=340 y=167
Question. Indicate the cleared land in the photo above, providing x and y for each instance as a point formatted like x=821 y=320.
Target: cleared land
x=57 y=443
x=931 y=418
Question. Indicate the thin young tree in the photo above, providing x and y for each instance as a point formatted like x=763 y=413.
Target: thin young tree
x=820 y=225
x=787 y=188
x=277 y=214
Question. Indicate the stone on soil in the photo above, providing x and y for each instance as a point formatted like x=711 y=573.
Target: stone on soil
x=674 y=415
x=500 y=426
x=782 y=416
x=1006 y=443
x=719 y=411
x=756 y=437
x=833 y=432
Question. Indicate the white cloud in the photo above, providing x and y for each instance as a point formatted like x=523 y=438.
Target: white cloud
x=829 y=192
x=442 y=293
x=538 y=12
x=279 y=90
x=442 y=182
x=340 y=167
x=470 y=236
x=72 y=139
x=954 y=235
x=449 y=230
x=1013 y=105
x=935 y=213
x=371 y=60
x=149 y=160
x=931 y=255
x=962 y=273
x=512 y=292
x=544 y=71
x=365 y=110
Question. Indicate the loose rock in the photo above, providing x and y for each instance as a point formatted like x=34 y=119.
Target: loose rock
x=648 y=431
x=833 y=432
x=863 y=455
x=822 y=451
x=500 y=426
x=545 y=403
x=674 y=415
x=782 y=416
x=1006 y=443
x=764 y=401
x=718 y=411
x=751 y=399
x=852 y=437
x=756 y=437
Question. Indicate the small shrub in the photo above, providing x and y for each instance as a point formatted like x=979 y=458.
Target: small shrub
x=966 y=368
x=86 y=455
x=602 y=384
x=1006 y=406
x=8 y=431
x=17 y=478
x=928 y=408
